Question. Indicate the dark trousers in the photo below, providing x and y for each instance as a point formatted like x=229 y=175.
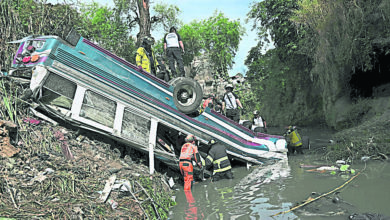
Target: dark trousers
x=291 y=149
x=174 y=54
x=223 y=175
x=233 y=114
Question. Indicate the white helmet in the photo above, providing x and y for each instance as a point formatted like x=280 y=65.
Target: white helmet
x=229 y=86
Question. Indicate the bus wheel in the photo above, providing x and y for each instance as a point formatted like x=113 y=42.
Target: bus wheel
x=187 y=95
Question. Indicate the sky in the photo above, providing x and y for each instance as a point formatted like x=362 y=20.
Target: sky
x=203 y=9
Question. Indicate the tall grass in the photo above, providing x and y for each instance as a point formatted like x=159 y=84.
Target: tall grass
x=9 y=105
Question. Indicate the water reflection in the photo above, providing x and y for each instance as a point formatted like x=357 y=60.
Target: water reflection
x=191 y=211
x=240 y=198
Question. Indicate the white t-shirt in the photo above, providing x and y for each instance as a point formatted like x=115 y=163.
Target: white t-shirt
x=258 y=122
x=172 y=40
x=230 y=104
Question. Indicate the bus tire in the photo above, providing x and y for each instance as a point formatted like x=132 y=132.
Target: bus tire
x=187 y=94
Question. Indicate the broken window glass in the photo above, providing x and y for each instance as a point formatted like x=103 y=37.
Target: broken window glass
x=135 y=127
x=98 y=108
x=58 y=91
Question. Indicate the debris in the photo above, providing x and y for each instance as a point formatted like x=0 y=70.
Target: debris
x=365 y=158
x=64 y=144
x=171 y=182
x=107 y=188
x=32 y=121
x=113 y=204
x=38 y=182
x=6 y=148
x=122 y=185
x=44 y=117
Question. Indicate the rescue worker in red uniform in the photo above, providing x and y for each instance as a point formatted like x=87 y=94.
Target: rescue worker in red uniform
x=189 y=152
x=219 y=159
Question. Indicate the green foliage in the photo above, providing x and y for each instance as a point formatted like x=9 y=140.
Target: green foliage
x=159 y=196
x=22 y=18
x=104 y=26
x=9 y=102
x=167 y=16
x=192 y=35
x=218 y=36
x=346 y=35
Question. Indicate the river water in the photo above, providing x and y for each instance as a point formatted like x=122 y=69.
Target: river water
x=270 y=192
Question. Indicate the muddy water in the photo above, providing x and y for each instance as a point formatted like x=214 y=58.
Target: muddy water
x=264 y=192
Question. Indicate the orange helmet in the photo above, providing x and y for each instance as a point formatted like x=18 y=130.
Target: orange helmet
x=190 y=138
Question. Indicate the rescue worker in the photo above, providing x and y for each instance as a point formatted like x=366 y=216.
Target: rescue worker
x=217 y=104
x=162 y=72
x=230 y=102
x=294 y=141
x=209 y=102
x=173 y=48
x=258 y=122
x=218 y=157
x=189 y=152
x=145 y=58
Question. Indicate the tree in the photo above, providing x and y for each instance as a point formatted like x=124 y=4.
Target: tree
x=217 y=36
x=104 y=26
x=279 y=75
x=22 y=18
x=136 y=12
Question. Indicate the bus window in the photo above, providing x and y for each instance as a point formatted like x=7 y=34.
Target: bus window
x=135 y=127
x=98 y=108
x=58 y=91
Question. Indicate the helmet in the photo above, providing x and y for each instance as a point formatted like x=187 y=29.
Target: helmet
x=229 y=86
x=255 y=112
x=148 y=40
x=190 y=138
x=172 y=29
x=212 y=142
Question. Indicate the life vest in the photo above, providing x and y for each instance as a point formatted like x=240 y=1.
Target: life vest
x=295 y=139
x=143 y=59
x=189 y=152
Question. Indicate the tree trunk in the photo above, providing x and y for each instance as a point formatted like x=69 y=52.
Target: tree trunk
x=144 y=20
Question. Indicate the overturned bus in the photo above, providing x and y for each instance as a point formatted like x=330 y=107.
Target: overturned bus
x=80 y=82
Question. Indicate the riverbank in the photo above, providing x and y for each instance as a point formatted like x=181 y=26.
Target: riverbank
x=52 y=172
x=56 y=173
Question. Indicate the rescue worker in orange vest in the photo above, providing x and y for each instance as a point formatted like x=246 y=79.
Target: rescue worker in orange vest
x=189 y=152
x=219 y=159
x=294 y=141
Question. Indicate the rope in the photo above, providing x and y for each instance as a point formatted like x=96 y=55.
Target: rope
x=312 y=200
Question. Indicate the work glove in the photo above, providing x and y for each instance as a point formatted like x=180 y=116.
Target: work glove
x=140 y=68
x=183 y=52
x=265 y=129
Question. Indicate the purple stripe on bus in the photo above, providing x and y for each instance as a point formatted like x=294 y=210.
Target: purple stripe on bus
x=20 y=50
